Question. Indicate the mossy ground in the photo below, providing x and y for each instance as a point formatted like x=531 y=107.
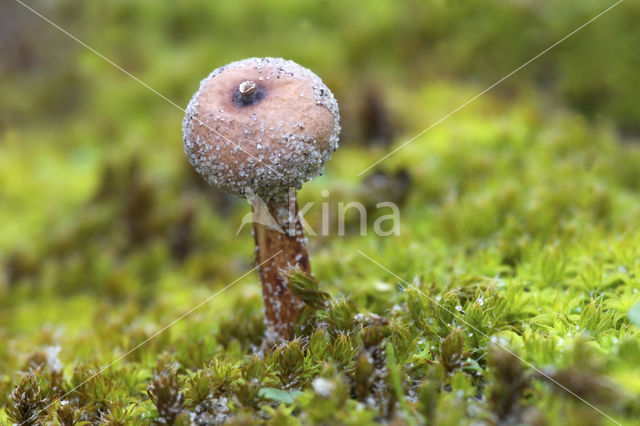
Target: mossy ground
x=518 y=228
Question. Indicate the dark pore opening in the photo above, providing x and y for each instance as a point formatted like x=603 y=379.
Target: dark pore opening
x=248 y=97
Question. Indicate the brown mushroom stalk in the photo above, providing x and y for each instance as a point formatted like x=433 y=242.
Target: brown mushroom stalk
x=262 y=127
x=289 y=243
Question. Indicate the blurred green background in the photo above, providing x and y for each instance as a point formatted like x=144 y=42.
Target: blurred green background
x=65 y=113
x=106 y=232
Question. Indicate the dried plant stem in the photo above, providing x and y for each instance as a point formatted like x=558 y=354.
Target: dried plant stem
x=287 y=238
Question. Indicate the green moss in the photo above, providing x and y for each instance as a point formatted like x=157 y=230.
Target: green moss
x=514 y=285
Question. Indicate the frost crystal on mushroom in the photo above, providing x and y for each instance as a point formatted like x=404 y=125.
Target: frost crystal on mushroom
x=238 y=142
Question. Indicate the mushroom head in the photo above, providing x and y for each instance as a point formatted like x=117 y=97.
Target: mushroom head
x=262 y=125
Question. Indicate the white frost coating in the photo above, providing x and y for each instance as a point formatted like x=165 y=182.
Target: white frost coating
x=53 y=362
x=323 y=387
x=292 y=158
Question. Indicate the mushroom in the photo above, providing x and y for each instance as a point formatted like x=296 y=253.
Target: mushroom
x=260 y=128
